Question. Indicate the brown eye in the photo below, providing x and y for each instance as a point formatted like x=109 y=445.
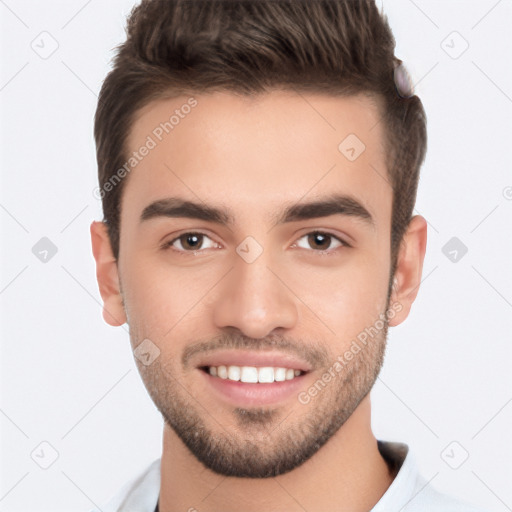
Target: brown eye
x=189 y=242
x=320 y=241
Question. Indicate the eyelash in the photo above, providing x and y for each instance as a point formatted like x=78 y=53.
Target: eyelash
x=327 y=252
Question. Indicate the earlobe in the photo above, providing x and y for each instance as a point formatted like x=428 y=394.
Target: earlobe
x=409 y=268
x=107 y=275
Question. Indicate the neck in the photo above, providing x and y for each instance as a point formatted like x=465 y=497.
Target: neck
x=347 y=473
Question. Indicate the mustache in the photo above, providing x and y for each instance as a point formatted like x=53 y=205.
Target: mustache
x=315 y=353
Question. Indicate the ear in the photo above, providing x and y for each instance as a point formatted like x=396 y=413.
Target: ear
x=409 y=267
x=107 y=275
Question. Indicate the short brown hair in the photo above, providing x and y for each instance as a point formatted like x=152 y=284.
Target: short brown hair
x=336 y=47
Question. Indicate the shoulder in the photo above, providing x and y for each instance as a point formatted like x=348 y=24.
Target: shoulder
x=431 y=500
x=410 y=491
x=139 y=493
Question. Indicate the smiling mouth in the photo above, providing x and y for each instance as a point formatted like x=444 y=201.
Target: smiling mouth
x=253 y=374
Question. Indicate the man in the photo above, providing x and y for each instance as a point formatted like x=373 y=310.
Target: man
x=258 y=166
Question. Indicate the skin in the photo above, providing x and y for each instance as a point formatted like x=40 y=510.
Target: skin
x=254 y=156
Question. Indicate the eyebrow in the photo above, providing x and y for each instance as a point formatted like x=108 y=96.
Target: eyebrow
x=336 y=204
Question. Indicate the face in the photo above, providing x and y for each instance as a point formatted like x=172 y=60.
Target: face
x=251 y=238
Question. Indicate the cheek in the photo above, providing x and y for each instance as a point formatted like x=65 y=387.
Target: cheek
x=144 y=292
x=347 y=298
x=162 y=299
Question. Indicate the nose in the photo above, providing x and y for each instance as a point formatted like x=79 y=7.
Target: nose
x=254 y=299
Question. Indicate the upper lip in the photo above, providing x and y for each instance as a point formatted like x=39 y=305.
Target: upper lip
x=253 y=358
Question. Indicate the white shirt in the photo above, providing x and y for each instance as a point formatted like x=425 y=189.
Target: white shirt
x=409 y=491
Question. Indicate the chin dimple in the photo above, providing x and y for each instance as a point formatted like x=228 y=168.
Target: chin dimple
x=253 y=374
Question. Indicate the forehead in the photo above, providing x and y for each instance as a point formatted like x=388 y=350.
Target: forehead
x=257 y=152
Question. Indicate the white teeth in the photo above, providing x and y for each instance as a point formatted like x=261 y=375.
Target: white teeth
x=279 y=374
x=266 y=374
x=234 y=372
x=253 y=374
x=249 y=374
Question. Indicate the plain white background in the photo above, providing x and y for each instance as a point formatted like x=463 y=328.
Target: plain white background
x=69 y=381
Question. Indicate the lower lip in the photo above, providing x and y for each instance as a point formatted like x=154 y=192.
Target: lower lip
x=244 y=393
